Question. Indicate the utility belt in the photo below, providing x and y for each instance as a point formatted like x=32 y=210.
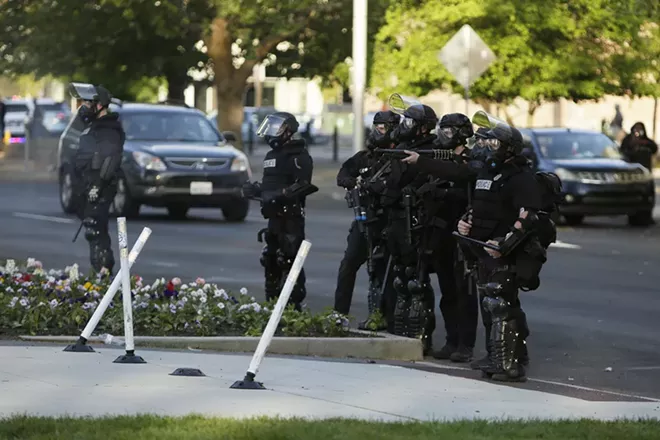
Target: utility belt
x=282 y=210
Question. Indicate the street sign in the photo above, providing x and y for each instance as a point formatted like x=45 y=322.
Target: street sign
x=466 y=56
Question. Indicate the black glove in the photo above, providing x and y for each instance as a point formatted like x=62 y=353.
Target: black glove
x=93 y=194
x=250 y=189
x=347 y=182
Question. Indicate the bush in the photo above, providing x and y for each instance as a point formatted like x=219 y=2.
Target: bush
x=34 y=301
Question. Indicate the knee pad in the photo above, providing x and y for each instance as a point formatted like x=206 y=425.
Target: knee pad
x=91 y=228
x=498 y=307
x=284 y=261
x=267 y=257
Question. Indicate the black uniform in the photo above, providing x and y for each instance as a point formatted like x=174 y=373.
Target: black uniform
x=97 y=164
x=360 y=236
x=285 y=184
x=446 y=202
x=365 y=242
x=413 y=313
x=504 y=188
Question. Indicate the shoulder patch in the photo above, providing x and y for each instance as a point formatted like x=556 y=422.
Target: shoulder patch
x=270 y=163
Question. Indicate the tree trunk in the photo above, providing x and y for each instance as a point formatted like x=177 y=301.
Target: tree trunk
x=230 y=82
x=230 y=111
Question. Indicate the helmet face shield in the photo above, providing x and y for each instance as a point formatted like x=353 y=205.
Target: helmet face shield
x=83 y=92
x=399 y=104
x=380 y=128
x=272 y=126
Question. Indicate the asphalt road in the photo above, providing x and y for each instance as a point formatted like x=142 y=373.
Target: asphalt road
x=598 y=306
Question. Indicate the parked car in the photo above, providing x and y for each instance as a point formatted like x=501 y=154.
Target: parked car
x=16 y=112
x=53 y=116
x=173 y=158
x=596 y=180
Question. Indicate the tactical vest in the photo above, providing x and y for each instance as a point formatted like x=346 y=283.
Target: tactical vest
x=277 y=175
x=489 y=208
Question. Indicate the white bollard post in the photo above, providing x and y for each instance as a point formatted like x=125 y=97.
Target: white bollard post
x=81 y=345
x=130 y=356
x=248 y=382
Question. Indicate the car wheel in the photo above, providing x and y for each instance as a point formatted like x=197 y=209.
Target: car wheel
x=123 y=205
x=574 y=220
x=178 y=212
x=66 y=193
x=642 y=218
x=237 y=211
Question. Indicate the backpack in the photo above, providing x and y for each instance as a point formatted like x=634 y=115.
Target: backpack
x=534 y=253
x=551 y=189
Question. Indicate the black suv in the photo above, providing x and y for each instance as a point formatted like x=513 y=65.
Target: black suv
x=173 y=158
x=596 y=179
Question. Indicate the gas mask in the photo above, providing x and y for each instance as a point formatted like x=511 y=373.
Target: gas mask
x=490 y=152
x=406 y=131
x=380 y=136
x=88 y=113
x=446 y=138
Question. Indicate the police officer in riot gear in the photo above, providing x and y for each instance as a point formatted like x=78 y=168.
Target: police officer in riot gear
x=364 y=240
x=458 y=304
x=504 y=212
x=286 y=182
x=97 y=165
x=414 y=311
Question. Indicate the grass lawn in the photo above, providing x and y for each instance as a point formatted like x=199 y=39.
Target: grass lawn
x=197 y=427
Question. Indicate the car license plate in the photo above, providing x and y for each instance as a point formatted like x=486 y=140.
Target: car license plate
x=201 y=188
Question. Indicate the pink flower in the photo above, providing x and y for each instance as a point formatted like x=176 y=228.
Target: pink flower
x=176 y=281
x=200 y=281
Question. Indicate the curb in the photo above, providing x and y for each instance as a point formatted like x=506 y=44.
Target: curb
x=381 y=347
x=27 y=176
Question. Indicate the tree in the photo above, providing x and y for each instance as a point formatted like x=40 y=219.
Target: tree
x=246 y=32
x=545 y=51
x=113 y=42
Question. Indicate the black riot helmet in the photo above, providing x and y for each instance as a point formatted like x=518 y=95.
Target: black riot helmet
x=92 y=97
x=278 y=128
x=453 y=130
x=497 y=142
x=381 y=130
x=418 y=119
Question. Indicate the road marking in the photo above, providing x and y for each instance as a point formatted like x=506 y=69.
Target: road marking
x=549 y=382
x=47 y=218
x=163 y=264
x=562 y=245
x=655 y=367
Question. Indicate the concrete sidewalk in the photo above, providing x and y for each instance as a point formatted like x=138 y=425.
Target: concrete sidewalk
x=44 y=380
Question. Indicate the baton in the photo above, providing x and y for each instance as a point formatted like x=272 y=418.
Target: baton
x=75 y=237
x=475 y=241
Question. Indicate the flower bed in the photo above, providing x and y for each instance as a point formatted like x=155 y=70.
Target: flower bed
x=34 y=301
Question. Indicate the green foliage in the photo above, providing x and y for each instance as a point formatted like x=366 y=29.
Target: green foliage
x=36 y=302
x=545 y=50
x=111 y=42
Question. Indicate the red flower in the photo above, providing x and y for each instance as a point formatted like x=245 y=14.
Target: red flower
x=26 y=277
x=170 y=286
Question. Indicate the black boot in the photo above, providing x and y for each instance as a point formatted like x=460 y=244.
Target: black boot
x=462 y=354
x=445 y=352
